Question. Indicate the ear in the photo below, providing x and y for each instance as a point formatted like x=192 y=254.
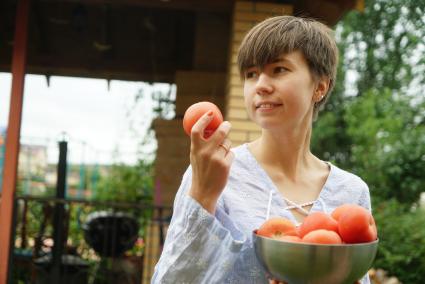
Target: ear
x=321 y=90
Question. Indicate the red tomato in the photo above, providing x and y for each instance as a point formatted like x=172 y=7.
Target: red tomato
x=195 y=111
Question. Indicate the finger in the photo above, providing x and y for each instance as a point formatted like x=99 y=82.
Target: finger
x=225 y=146
x=222 y=147
x=197 y=132
x=227 y=143
x=222 y=132
x=229 y=157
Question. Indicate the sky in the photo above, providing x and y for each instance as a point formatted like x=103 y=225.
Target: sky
x=96 y=120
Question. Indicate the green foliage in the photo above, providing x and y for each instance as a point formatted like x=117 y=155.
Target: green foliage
x=386 y=37
x=401 y=248
x=124 y=188
x=388 y=148
x=127 y=183
x=374 y=124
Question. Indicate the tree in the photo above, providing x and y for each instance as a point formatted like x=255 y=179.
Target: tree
x=127 y=183
x=374 y=124
x=385 y=45
x=388 y=149
x=381 y=59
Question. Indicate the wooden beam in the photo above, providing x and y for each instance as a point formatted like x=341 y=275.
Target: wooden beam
x=126 y=75
x=12 y=136
x=360 y=5
x=40 y=28
x=188 y=5
x=327 y=11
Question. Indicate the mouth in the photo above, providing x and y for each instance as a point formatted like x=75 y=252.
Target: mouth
x=266 y=106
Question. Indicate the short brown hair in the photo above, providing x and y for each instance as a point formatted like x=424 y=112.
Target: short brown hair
x=284 y=34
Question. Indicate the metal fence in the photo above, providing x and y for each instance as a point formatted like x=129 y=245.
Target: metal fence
x=79 y=241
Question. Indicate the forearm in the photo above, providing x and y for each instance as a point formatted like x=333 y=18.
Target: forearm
x=208 y=203
x=198 y=246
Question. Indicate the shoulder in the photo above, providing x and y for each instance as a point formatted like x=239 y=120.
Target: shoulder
x=245 y=167
x=340 y=177
x=243 y=158
x=241 y=150
x=346 y=187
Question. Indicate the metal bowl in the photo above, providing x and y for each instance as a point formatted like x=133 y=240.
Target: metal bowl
x=299 y=263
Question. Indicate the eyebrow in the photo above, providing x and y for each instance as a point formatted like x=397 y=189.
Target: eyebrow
x=281 y=59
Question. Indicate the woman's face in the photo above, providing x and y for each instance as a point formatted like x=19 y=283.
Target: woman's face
x=282 y=93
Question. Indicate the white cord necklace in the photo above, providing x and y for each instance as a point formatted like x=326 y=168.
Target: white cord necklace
x=300 y=208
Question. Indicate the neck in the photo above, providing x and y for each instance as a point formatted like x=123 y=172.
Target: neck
x=289 y=153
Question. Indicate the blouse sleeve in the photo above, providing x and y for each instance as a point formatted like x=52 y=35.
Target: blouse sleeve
x=198 y=245
x=364 y=199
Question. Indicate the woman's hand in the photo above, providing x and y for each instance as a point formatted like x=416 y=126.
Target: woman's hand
x=276 y=282
x=211 y=159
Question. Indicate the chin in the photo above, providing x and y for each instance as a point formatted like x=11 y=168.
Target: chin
x=269 y=125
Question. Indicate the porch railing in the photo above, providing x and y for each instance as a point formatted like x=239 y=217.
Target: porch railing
x=83 y=241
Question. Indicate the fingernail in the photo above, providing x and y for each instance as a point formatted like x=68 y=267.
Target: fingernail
x=210 y=113
x=227 y=124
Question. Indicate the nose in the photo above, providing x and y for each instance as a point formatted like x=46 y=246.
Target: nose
x=264 y=85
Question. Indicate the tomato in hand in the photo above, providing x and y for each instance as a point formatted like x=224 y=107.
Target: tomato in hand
x=195 y=111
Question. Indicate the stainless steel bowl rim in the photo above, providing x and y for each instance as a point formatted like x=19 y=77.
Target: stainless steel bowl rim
x=312 y=244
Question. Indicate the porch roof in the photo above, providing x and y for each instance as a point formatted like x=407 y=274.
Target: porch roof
x=143 y=40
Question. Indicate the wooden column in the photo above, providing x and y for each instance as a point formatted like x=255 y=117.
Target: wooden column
x=12 y=136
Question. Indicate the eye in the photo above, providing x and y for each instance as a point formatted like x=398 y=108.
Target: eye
x=250 y=74
x=280 y=69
